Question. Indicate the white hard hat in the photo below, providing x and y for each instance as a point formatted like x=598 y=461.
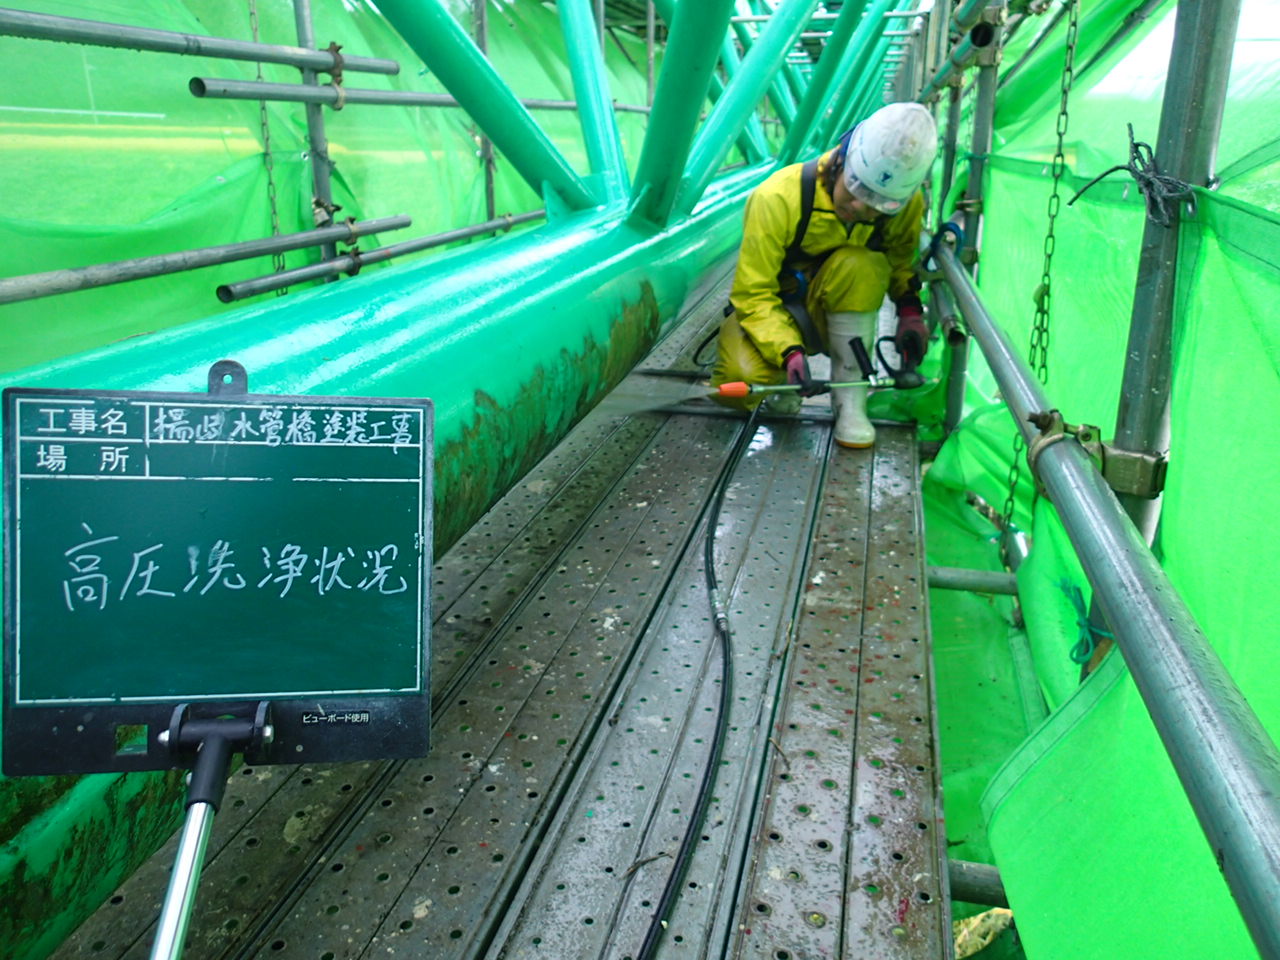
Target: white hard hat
x=889 y=155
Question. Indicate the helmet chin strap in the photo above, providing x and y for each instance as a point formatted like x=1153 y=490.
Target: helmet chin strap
x=843 y=146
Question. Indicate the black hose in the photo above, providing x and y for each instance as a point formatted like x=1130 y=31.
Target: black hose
x=720 y=626
x=702 y=346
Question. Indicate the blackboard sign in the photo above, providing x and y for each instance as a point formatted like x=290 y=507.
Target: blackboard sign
x=213 y=550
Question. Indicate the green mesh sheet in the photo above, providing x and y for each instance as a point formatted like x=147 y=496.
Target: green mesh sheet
x=107 y=156
x=1089 y=802
x=971 y=632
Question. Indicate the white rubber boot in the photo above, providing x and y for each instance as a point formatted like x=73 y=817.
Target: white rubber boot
x=849 y=404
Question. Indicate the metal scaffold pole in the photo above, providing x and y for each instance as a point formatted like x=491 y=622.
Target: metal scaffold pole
x=480 y=24
x=1186 y=149
x=321 y=167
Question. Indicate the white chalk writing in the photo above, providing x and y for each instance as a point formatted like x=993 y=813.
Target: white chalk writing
x=289 y=570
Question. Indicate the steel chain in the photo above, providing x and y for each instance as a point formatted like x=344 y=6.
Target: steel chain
x=1038 y=350
x=268 y=160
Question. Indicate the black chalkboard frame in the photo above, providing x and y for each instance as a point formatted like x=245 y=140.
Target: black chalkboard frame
x=98 y=736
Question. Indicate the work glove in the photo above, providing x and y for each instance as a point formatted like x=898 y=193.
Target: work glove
x=797 y=366
x=912 y=337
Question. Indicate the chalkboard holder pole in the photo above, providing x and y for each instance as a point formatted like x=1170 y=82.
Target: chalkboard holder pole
x=211 y=743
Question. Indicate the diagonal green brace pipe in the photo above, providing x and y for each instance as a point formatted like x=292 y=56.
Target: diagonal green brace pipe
x=821 y=84
x=784 y=104
x=751 y=138
x=867 y=48
x=741 y=96
x=692 y=48
x=591 y=87
x=451 y=55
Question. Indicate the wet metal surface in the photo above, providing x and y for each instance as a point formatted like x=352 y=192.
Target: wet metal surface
x=574 y=680
x=604 y=865
x=793 y=897
x=897 y=896
x=849 y=840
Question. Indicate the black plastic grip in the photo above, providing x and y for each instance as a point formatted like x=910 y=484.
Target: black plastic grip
x=864 y=360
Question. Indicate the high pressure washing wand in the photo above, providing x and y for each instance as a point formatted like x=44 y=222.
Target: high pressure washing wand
x=738 y=388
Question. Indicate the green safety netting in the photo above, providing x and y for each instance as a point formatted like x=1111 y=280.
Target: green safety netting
x=1100 y=852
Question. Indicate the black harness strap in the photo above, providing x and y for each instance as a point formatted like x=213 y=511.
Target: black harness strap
x=808 y=190
x=795 y=257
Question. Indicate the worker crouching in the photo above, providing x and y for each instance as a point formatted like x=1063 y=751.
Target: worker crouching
x=823 y=242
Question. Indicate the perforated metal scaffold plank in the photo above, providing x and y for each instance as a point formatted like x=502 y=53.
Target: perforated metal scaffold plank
x=603 y=866
x=849 y=842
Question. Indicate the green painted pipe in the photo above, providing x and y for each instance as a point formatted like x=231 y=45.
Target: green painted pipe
x=453 y=57
x=689 y=61
x=779 y=91
x=958 y=59
x=797 y=83
x=69 y=857
x=716 y=88
x=591 y=87
x=751 y=136
x=868 y=97
x=821 y=83
x=866 y=43
x=758 y=70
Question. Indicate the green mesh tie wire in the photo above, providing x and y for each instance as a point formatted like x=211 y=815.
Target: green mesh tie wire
x=1088 y=634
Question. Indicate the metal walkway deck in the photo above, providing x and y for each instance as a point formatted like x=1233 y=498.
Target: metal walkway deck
x=574 y=685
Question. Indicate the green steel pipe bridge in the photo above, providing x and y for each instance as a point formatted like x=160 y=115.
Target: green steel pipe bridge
x=580 y=468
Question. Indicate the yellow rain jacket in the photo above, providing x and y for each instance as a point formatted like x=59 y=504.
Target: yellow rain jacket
x=772 y=216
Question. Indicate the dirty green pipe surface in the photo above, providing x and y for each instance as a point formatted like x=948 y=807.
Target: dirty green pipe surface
x=453 y=57
x=68 y=859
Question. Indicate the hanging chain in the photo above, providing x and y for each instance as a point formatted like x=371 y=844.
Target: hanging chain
x=1038 y=352
x=277 y=259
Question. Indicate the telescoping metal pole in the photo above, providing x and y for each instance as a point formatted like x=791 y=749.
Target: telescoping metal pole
x=175 y=916
x=211 y=743
x=1227 y=762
